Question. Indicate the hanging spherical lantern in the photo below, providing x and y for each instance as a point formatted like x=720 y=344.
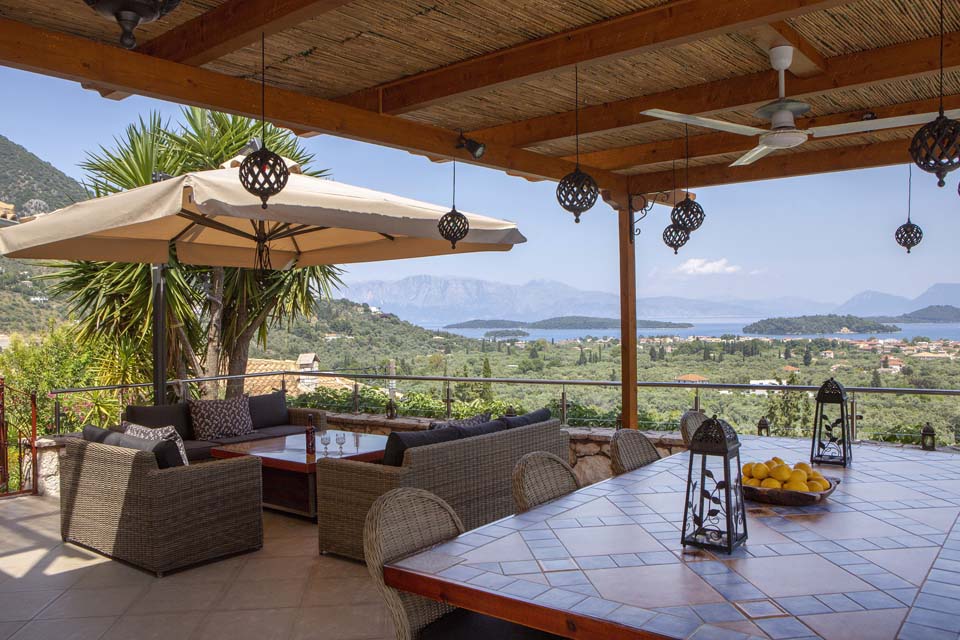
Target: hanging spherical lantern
x=264 y=174
x=687 y=214
x=453 y=227
x=675 y=237
x=908 y=235
x=130 y=14
x=577 y=192
x=935 y=148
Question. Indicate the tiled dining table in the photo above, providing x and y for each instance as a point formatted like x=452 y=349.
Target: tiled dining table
x=878 y=560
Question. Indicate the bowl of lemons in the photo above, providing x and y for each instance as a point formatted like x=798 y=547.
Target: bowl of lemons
x=776 y=482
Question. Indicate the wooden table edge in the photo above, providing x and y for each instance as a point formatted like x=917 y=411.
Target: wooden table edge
x=272 y=463
x=529 y=614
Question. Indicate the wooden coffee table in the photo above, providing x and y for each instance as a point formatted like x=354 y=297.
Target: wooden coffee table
x=290 y=474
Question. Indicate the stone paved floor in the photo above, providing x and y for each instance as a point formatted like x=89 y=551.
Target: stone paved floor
x=286 y=591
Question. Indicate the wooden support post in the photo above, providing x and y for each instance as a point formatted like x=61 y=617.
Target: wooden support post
x=628 y=316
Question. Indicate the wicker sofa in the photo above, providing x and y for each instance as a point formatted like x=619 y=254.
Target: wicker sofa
x=473 y=475
x=117 y=501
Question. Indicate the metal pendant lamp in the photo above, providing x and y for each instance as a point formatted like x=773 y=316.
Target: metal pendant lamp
x=687 y=214
x=263 y=173
x=577 y=192
x=908 y=234
x=935 y=148
x=130 y=14
x=675 y=236
x=454 y=226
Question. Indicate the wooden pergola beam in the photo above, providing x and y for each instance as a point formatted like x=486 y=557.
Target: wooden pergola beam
x=783 y=165
x=877 y=66
x=73 y=58
x=231 y=26
x=711 y=144
x=807 y=61
x=672 y=24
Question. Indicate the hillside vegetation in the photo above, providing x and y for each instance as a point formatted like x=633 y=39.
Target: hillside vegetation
x=933 y=313
x=817 y=325
x=25 y=177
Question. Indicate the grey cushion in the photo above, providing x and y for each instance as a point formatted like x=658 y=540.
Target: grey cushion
x=157 y=433
x=281 y=430
x=461 y=624
x=399 y=441
x=217 y=419
x=480 y=418
x=269 y=410
x=198 y=450
x=165 y=451
x=174 y=415
x=492 y=426
x=244 y=437
x=534 y=417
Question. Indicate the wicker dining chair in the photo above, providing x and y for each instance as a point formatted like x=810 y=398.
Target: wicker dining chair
x=689 y=423
x=629 y=450
x=400 y=523
x=540 y=477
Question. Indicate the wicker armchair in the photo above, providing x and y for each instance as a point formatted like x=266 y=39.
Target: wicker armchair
x=540 y=477
x=689 y=423
x=116 y=501
x=629 y=450
x=400 y=523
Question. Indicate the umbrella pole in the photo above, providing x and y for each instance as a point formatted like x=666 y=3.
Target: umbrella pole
x=159 y=334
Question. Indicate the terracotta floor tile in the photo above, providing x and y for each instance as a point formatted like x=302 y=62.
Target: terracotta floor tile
x=65 y=629
x=909 y=564
x=157 y=626
x=665 y=585
x=75 y=603
x=256 y=624
x=263 y=594
x=7 y=629
x=852 y=524
x=163 y=597
x=873 y=491
x=608 y=540
x=759 y=533
x=340 y=592
x=941 y=518
x=797 y=576
x=856 y=625
x=350 y=623
x=277 y=568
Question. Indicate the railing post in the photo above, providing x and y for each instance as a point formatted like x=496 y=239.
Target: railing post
x=696 y=399
x=853 y=417
x=356 y=397
x=57 y=418
x=563 y=405
x=448 y=400
x=35 y=475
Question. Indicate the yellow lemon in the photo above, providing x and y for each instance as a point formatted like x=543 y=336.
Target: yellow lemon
x=815 y=475
x=770 y=483
x=748 y=470
x=816 y=485
x=780 y=473
x=803 y=466
x=778 y=460
x=751 y=482
x=796 y=486
x=798 y=475
x=760 y=471
x=771 y=463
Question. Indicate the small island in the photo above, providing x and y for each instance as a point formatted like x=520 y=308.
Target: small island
x=937 y=313
x=498 y=334
x=579 y=323
x=818 y=325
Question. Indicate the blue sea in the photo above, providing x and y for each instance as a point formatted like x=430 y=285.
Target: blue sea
x=715 y=327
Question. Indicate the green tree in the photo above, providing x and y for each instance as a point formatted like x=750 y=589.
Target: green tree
x=875 y=381
x=486 y=391
x=214 y=313
x=653 y=354
x=807 y=357
x=789 y=411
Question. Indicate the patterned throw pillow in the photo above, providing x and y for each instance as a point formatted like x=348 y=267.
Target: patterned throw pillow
x=464 y=422
x=218 y=419
x=157 y=433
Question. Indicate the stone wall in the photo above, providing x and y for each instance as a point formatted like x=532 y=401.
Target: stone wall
x=590 y=450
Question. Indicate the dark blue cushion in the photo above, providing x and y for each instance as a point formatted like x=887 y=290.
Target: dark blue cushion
x=399 y=441
x=480 y=429
x=269 y=410
x=175 y=415
x=165 y=451
x=541 y=415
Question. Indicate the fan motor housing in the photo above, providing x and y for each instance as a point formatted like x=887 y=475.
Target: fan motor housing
x=784 y=138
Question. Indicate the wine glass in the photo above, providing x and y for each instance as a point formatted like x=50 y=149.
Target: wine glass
x=341 y=439
x=325 y=441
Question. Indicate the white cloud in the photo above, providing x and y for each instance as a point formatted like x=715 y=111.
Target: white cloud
x=704 y=267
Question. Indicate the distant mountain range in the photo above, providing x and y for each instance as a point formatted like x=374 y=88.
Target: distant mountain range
x=939 y=313
x=439 y=301
x=565 y=322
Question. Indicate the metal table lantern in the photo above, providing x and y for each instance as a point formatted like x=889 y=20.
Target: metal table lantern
x=714 y=516
x=831 y=427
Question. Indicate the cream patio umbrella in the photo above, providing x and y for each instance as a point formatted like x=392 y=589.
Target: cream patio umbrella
x=209 y=219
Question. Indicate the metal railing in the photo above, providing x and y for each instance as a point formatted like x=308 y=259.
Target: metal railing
x=280 y=380
x=18 y=441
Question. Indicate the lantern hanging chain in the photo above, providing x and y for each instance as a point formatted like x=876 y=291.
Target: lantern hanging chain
x=263 y=90
x=909 y=190
x=941 y=57
x=576 y=109
x=686 y=159
x=454 y=183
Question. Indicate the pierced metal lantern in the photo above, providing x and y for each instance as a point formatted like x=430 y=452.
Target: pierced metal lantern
x=687 y=214
x=675 y=237
x=577 y=192
x=908 y=235
x=453 y=227
x=763 y=427
x=935 y=148
x=130 y=14
x=928 y=438
x=831 y=427
x=714 y=516
x=264 y=174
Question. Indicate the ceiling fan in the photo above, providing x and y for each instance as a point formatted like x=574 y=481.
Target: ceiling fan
x=783 y=132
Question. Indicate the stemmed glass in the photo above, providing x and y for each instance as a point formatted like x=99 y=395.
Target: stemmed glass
x=325 y=441
x=341 y=439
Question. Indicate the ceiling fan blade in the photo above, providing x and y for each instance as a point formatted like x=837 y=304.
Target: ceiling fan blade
x=864 y=126
x=709 y=123
x=753 y=155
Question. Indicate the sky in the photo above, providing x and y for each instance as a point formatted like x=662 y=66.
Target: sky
x=823 y=237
